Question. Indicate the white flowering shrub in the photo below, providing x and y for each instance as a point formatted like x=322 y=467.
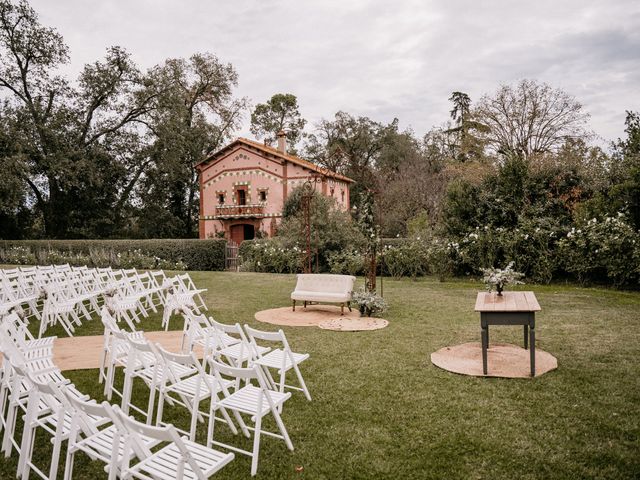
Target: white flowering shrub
x=408 y=259
x=346 y=262
x=271 y=256
x=531 y=245
x=602 y=249
x=443 y=258
x=17 y=256
x=97 y=257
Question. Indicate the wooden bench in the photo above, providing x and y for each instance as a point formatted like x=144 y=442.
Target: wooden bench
x=314 y=287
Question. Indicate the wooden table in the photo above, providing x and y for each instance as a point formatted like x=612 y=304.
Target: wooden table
x=512 y=308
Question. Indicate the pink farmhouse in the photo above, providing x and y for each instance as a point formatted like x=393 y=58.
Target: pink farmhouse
x=244 y=185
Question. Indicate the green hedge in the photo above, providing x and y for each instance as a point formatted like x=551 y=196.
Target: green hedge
x=196 y=254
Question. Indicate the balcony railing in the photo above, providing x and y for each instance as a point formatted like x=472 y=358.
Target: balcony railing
x=253 y=210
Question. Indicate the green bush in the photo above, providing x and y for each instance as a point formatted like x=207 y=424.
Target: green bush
x=408 y=259
x=194 y=254
x=605 y=249
x=531 y=246
x=97 y=257
x=269 y=255
x=346 y=262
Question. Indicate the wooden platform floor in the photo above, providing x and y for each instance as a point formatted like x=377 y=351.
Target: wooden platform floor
x=82 y=353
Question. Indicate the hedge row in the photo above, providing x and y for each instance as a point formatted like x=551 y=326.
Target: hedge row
x=196 y=254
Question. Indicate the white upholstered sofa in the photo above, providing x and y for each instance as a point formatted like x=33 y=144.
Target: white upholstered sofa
x=314 y=287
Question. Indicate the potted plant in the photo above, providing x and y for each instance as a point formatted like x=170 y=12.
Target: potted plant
x=369 y=303
x=497 y=278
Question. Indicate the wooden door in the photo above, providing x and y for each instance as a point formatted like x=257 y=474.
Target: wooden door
x=237 y=233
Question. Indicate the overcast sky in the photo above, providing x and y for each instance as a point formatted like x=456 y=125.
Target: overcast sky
x=379 y=58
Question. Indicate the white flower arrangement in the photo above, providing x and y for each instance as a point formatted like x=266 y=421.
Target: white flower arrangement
x=497 y=278
x=368 y=302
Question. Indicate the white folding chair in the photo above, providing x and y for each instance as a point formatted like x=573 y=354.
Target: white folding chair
x=199 y=331
x=47 y=408
x=115 y=348
x=240 y=351
x=179 y=458
x=256 y=401
x=280 y=359
x=104 y=444
x=181 y=292
x=188 y=391
x=143 y=363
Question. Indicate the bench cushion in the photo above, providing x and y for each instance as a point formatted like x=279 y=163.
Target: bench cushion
x=320 y=296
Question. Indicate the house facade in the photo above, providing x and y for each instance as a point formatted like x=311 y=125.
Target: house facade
x=243 y=188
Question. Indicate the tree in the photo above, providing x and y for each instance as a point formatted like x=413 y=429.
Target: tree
x=352 y=146
x=112 y=153
x=332 y=230
x=196 y=114
x=466 y=143
x=625 y=173
x=409 y=179
x=281 y=112
x=70 y=137
x=461 y=107
x=530 y=118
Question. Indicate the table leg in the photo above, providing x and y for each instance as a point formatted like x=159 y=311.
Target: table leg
x=532 y=349
x=526 y=336
x=485 y=345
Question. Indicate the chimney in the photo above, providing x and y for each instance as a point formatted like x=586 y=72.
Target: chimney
x=282 y=141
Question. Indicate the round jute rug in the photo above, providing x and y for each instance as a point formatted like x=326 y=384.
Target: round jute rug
x=324 y=316
x=503 y=360
x=353 y=324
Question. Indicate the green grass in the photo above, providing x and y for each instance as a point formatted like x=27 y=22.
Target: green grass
x=380 y=409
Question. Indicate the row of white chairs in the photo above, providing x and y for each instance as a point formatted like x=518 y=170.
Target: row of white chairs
x=232 y=389
x=68 y=295
x=234 y=376
x=33 y=387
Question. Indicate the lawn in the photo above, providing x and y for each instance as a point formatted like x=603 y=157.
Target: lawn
x=380 y=409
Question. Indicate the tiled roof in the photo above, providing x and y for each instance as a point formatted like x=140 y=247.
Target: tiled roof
x=285 y=156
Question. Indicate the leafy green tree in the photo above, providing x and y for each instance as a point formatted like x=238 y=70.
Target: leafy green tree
x=466 y=143
x=195 y=115
x=70 y=136
x=352 y=146
x=332 y=230
x=280 y=112
x=104 y=155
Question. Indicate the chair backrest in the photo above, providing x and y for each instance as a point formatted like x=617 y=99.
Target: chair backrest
x=223 y=332
x=10 y=344
x=168 y=433
x=253 y=333
x=235 y=329
x=326 y=283
x=84 y=409
x=137 y=350
x=11 y=352
x=110 y=323
x=221 y=369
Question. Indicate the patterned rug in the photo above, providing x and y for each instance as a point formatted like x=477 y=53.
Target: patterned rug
x=324 y=316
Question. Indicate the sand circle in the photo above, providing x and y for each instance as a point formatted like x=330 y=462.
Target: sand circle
x=324 y=316
x=503 y=360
